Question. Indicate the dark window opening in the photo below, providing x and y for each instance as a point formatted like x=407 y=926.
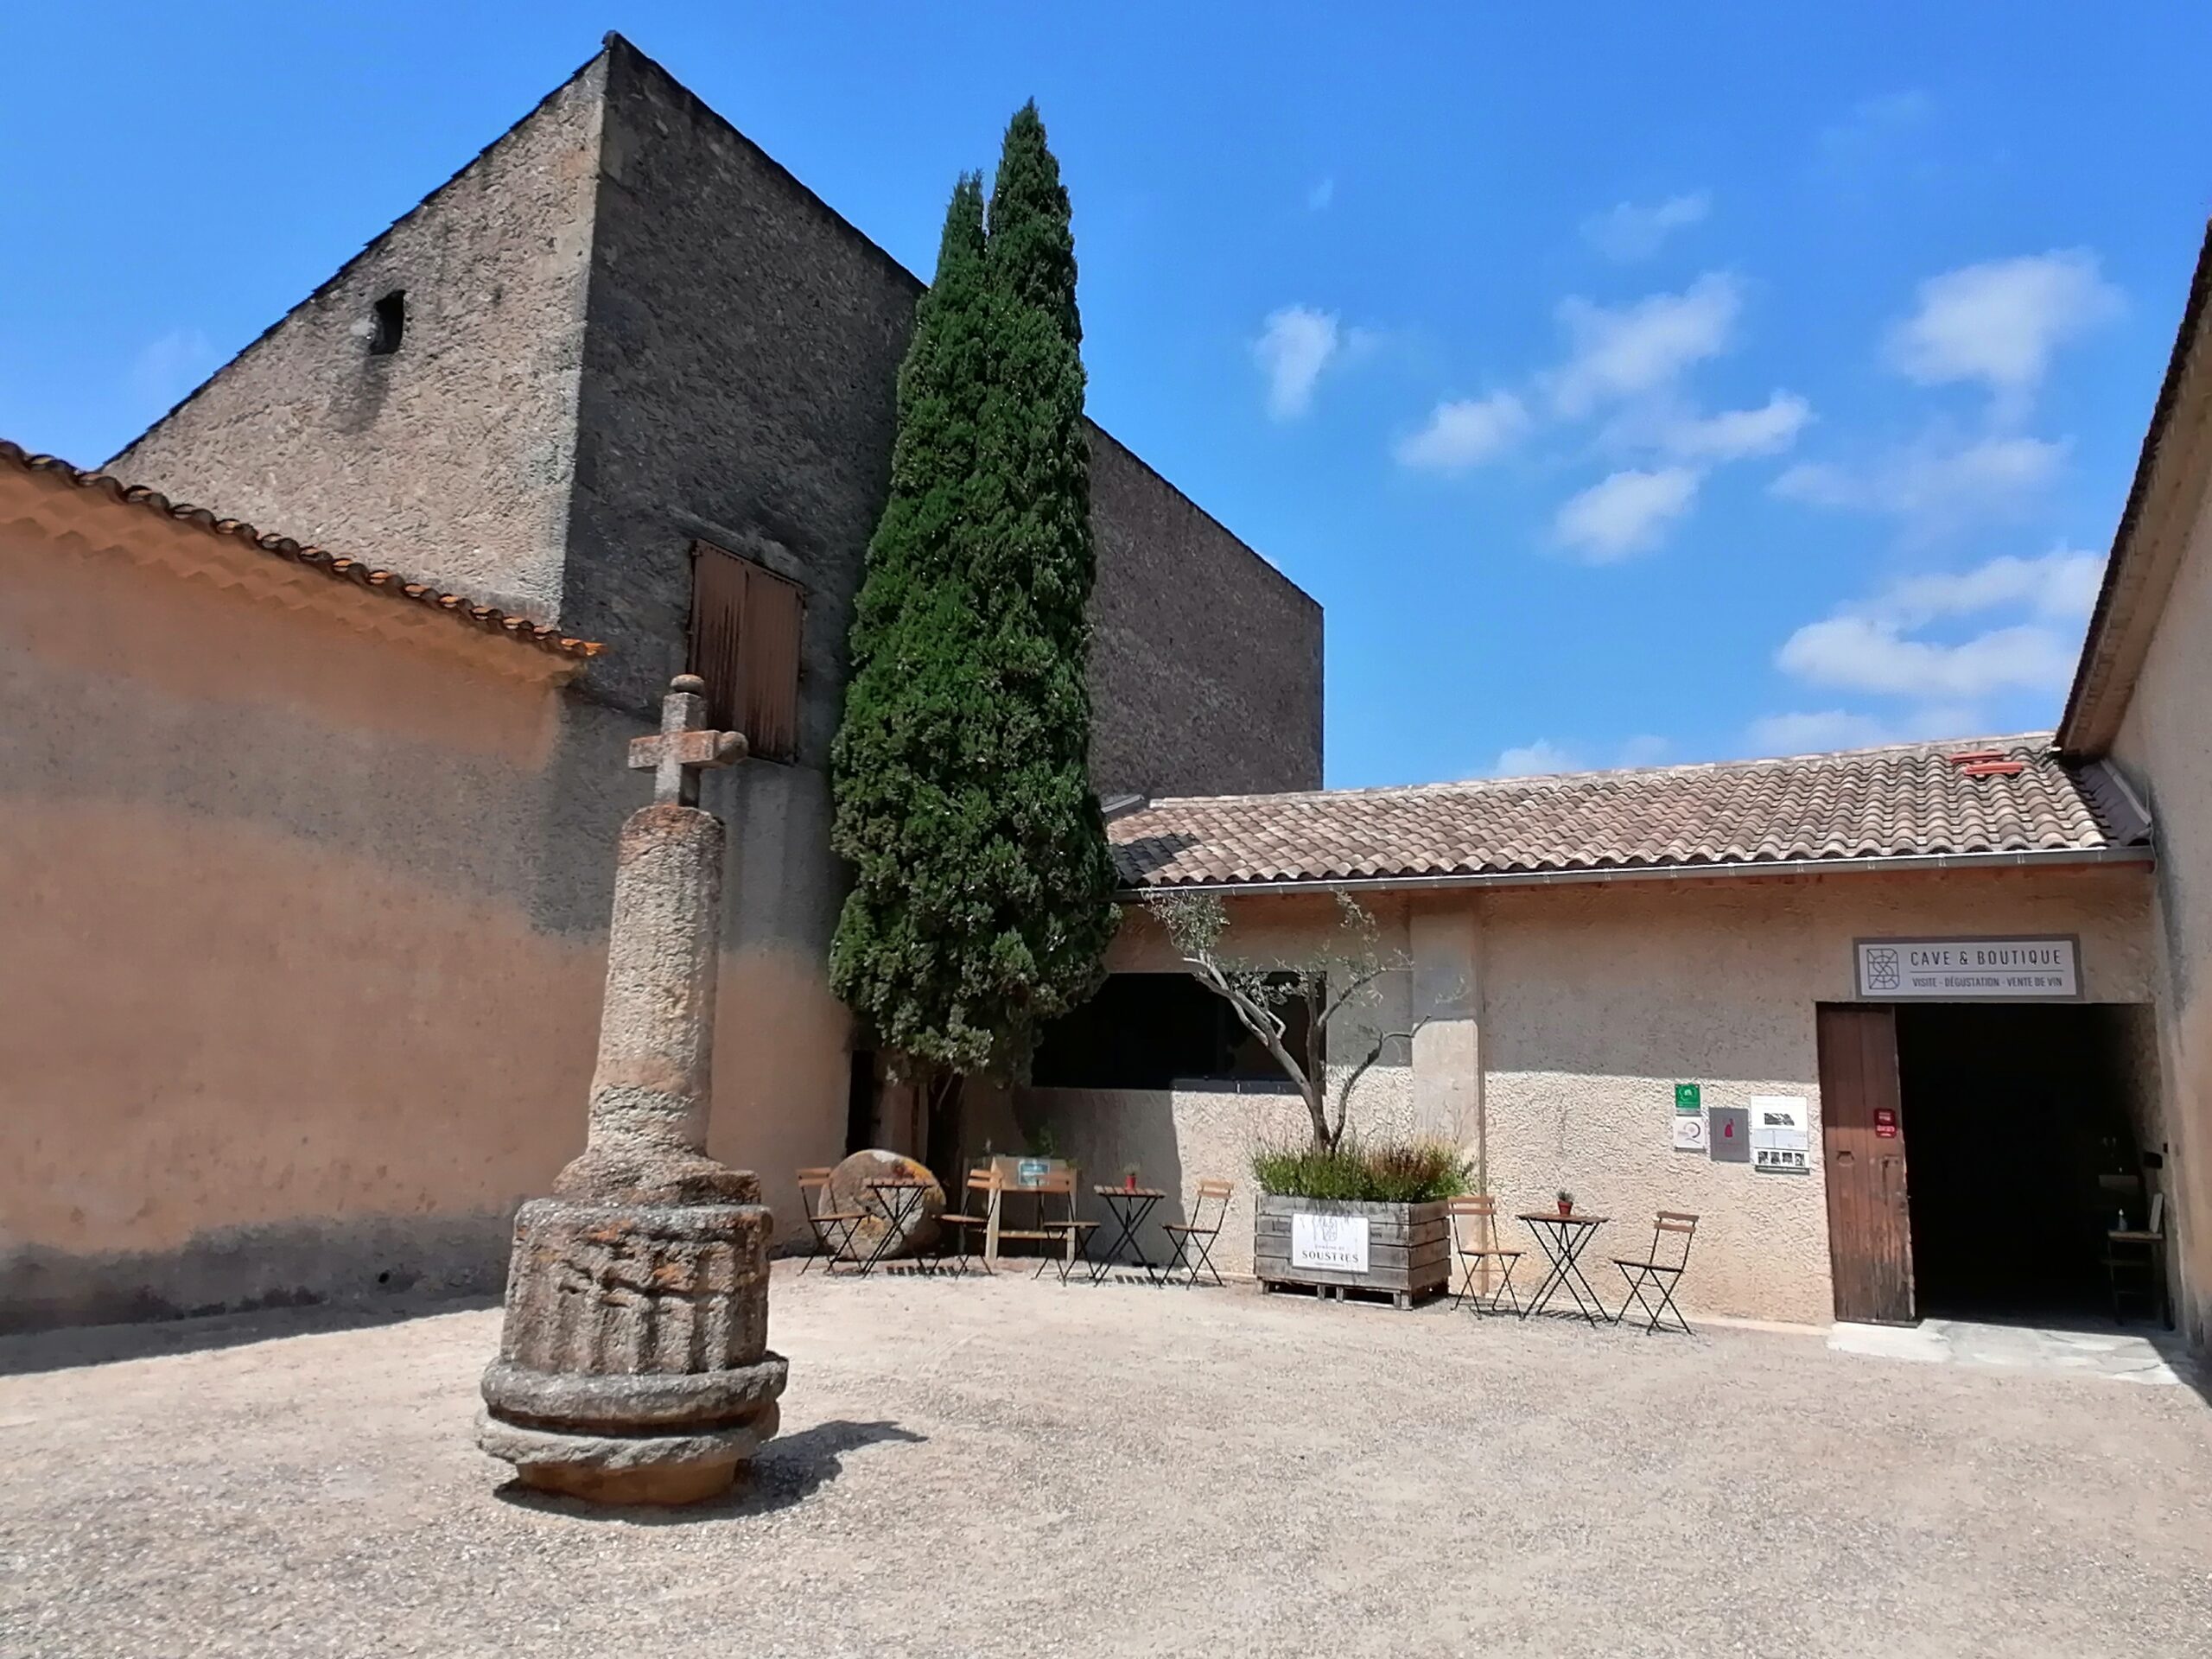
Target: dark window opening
x=745 y=644
x=1155 y=1031
x=388 y=323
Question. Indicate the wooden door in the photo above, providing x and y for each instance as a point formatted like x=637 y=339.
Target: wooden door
x=1862 y=1139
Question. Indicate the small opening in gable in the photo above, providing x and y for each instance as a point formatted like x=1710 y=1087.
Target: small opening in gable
x=388 y=324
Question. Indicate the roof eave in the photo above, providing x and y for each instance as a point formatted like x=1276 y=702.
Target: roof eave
x=2037 y=858
x=101 y=509
x=2135 y=582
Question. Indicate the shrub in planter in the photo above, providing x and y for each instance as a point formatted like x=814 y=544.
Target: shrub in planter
x=1424 y=1171
x=1361 y=1218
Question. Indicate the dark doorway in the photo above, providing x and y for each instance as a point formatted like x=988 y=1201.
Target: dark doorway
x=2024 y=1153
x=1976 y=1155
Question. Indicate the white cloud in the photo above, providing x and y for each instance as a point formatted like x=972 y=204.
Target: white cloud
x=1811 y=731
x=1735 y=432
x=1295 y=346
x=1322 y=194
x=1621 y=350
x=1998 y=323
x=1627 y=231
x=1876 y=647
x=2062 y=585
x=1936 y=484
x=1646 y=750
x=1809 y=734
x=1533 y=761
x=1625 y=513
x=1465 y=433
x=1868 y=653
x=168 y=367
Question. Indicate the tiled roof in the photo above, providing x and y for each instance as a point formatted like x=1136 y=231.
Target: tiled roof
x=336 y=566
x=1914 y=801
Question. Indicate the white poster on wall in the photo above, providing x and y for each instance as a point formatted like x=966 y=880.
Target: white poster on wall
x=1782 y=1136
x=1689 y=1133
x=1339 y=1242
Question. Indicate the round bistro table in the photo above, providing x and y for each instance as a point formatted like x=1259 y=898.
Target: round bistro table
x=1563 y=1239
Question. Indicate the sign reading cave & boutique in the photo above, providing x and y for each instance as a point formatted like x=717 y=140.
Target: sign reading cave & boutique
x=1957 y=970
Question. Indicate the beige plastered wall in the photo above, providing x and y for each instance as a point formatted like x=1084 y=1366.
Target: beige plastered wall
x=2163 y=748
x=1556 y=1021
x=301 y=946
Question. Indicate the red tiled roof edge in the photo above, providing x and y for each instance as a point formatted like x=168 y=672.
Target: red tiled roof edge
x=340 y=567
x=1847 y=809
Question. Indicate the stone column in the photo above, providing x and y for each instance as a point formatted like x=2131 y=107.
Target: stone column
x=1445 y=935
x=633 y=1365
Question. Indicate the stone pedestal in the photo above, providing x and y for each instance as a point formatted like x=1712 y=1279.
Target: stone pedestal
x=633 y=1365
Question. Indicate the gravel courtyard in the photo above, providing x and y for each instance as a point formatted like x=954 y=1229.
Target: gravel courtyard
x=1006 y=1467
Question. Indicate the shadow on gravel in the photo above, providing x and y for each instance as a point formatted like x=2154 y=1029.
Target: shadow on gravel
x=789 y=1470
x=24 y=1353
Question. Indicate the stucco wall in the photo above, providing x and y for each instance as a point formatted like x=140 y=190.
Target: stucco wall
x=301 y=952
x=1563 y=1018
x=450 y=458
x=2162 y=749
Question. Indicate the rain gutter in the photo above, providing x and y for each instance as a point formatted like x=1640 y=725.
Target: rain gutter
x=1897 y=864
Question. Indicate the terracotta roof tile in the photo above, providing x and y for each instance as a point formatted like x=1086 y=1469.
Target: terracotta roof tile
x=334 y=565
x=1910 y=801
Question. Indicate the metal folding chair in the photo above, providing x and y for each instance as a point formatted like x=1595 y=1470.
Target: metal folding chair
x=966 y=1227
x=1068 y=1233
x=1654 y=1274
x=1193 y=1238
x=1474 y=1240
x=833 y=1229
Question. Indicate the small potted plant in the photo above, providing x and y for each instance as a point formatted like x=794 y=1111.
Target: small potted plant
x=1565 y=1202
x=1128 y=1178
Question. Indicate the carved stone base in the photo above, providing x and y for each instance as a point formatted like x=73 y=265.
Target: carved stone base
x=679 y=1468
x=633 y=1365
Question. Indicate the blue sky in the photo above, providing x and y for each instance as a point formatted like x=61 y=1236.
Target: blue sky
x=1644 y=384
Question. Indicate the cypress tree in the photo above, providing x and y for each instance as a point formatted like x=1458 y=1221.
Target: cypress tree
x=982 y=899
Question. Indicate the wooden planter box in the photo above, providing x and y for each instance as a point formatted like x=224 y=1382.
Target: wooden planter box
x=1408 y=1247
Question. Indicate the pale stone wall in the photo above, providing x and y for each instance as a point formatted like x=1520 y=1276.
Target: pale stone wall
x=452 y=458
x=2163 y=750
x=1568 y=1013
x=302 y=947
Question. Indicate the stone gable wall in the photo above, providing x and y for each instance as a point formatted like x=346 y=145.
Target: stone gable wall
x=448 y=460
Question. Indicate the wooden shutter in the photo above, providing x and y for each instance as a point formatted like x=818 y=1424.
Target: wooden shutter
x=769 y=658
x=745 y=643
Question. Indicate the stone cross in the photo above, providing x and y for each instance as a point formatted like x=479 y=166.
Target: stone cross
x=684 y=746
x=633 y=1365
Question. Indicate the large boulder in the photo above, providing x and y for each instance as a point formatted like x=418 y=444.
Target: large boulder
x=850 y=1191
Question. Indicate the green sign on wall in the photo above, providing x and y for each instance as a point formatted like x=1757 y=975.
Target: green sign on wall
x=1688 y=1097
